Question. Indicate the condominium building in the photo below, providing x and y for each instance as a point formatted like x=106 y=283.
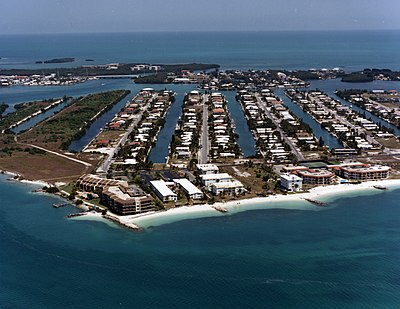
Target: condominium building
x=126 y=200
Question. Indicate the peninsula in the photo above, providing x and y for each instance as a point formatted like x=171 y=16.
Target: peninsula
x=114 y=175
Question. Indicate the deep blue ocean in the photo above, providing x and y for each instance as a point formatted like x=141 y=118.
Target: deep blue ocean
x=344 y=256
x=351 y=50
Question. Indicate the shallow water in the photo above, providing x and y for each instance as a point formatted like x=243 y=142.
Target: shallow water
x=345 y=256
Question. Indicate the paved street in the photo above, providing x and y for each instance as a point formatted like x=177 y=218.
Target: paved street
x=263 y=105
x=204 y=141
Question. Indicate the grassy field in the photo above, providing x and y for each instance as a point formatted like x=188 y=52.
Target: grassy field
x=42 y=166
x=392 y=142
x=59 y=131
x=54 y=133
x=23 y=110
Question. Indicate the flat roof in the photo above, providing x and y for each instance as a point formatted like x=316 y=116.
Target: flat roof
x=207 y=166
x=291 y=177
x=228 y=184
x=161 y=187
x=216 y=176
x=188 y=186
x=316 y=173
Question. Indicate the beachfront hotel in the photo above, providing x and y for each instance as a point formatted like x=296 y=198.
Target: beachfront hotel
x=360 y=171
x=92 y=183
x=291 y=182
x=126 y=200
x=316 y=176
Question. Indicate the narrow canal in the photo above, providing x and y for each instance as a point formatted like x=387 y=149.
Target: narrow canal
x=35 y=120
x=246 y=140
x=330 y=86
x=94 y=129
x=329 y=140
x=160 y=151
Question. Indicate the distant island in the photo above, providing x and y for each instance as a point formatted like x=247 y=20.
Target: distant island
x=57 y=60
x=112 y=69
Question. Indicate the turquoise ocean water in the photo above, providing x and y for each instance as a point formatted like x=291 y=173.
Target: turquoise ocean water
x=345 y=256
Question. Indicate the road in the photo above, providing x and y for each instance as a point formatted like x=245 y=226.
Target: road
x=105 y=165
x=204 y=149
x=295 y=151
x=344 y=121
x=60 y=155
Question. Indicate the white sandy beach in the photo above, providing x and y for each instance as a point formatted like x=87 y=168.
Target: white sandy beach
x=289 y=201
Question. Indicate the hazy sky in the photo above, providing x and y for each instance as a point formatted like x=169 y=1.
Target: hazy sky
x=71 y=16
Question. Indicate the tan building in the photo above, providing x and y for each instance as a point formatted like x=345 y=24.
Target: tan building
x=126 y=200
x=93 y=183
x=360 y=171
x=316 y=176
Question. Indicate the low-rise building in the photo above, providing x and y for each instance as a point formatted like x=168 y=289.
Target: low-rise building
x=291 y=182
x=316 y=176
x=126 y=200
x=161 y=189
x=191 y=191
x=360 y=171
x=209 y=179
x=234 y=187
x=207 y=169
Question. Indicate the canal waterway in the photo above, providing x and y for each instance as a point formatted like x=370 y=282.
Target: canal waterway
x=35 y=120
x=19 y=94
x=245 y=140
x=94 y=129
x=160 y=151
x=330 y=86
x=329 y=140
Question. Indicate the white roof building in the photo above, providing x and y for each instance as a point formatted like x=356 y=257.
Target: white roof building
x=190 y=189
x=291 y=182
x=209 y=179
x=161 y=189
x=229 y=187
x=207 y=168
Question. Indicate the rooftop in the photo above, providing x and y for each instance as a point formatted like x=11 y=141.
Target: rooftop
x=188 y=186
x=161 y=186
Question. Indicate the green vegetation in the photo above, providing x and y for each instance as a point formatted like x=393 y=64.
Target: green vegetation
x=305 y=75
x=159 y=78
x=73 y=121
x=368 y=75
x=358 y=77
x=57 y=60
x=51 y=190
x=123 y=69
x=347 y=93
x=23 y=110
x=3 y=108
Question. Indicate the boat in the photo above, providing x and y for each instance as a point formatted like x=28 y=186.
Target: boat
x=379 y=187
x=220 y=209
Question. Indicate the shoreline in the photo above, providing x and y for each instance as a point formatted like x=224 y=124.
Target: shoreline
x=298 y=201
x=324 y=194
x=12 y=175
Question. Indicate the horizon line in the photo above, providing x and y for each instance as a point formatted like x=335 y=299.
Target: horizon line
x=200 y=31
